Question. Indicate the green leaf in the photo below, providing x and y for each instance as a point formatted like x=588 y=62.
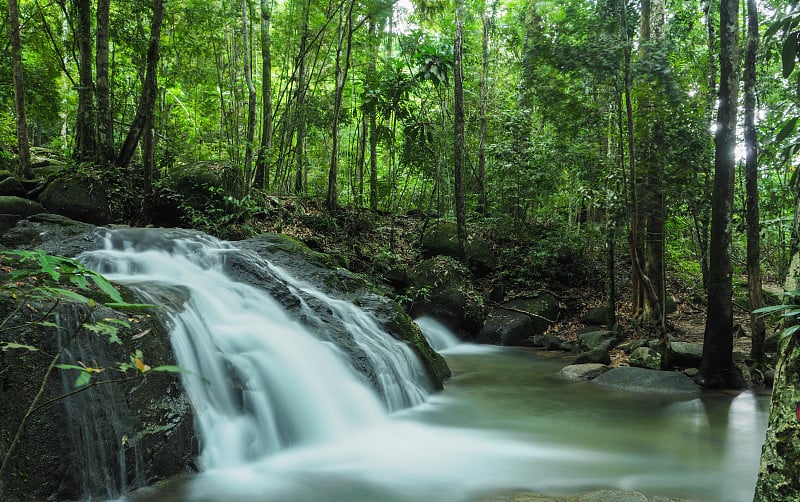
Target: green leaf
x=72 y=295
x=48 y=324
x=787 y=128
x=103 y=328
x=789 y=53
x=107 y=288
x=170 y=369
x=83 y=379
x=771 y=309
x=788 y=332
x=70 y=367
x=11 y=345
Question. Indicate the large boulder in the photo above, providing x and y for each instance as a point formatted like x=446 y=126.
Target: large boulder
x=686 y=355
x=100 y=441
x=593 y=339
x=442 y=239
x=645 y=357
x=586 y=371
x=54 y=234
x=665 y=383
x=83 y=198
x=518 y=321
x=441 y=287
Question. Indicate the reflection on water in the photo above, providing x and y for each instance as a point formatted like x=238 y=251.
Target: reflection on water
x=505 y=420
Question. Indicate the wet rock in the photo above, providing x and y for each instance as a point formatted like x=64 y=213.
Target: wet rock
x=55 y=234
x=586 y=371
x=686 y=355
x=594 y=339
x=645 y=357
x=519 y=321
x=597 y=316
x=666 y=383
x=442 y=239
x=548 y=341
x=82 y=199
x=598 y=355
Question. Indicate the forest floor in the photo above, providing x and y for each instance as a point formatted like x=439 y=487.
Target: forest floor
x=360 y=239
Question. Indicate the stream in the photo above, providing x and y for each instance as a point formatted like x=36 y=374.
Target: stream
x=286 y=417
x=505 y=421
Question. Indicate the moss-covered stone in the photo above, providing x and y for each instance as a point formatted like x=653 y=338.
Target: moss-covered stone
x=10 y=204
x=82 y=198
x=442 y=239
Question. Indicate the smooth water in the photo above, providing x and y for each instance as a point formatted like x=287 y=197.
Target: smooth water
x=287 y=418
x=439 y=337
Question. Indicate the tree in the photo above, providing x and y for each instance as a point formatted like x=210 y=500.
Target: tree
x=299 y=119
x=458 y=130
x=251 y=99
x=23 y=145
x=85 y=130
x=105 y=115
x=717 y=369
x=264 y=157
x=751 y=185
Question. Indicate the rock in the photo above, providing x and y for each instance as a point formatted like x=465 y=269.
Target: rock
x=645 y=357
x=12 y=186
x=55 y=234
x=517 y=321
x=596 y=339
x=586 y=371
x=549 y=341
x=442 y=239
x=769 y=376
x=771 y=343
x=18 y=206
x=666 y=383
x=76 y=445
x=747 y=376
x=441 y=287
x=597 y=316
x=319 y=269
x=686 y=355
x=691 y=372
x=629 y=347
x=82 y=198
x=598 y=355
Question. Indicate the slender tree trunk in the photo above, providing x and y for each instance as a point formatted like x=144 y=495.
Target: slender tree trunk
x=484 y=104
x=717 y=369
x=85 y=144
x=23 y=144
x=373 y=126
x=345 y=37
x=147 y=101
x=264 y=158
x=251 y=99
x=105 y=118
x=751 y=185
x=458 y=132
x=299 y=102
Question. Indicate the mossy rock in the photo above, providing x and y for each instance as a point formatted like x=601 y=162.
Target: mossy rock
x=205 y=184
x=53 y=233
x=12 y=186
x=82 y=198
x=441 y=287
x=442 y=239
x=18 y=206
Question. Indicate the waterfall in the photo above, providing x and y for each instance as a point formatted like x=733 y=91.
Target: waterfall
x=438 y=335
x=274 y=382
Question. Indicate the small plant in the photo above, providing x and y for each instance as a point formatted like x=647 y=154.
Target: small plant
x=789 y=315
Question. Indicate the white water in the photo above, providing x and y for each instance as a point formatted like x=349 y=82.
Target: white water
x=274 y=384
x=438 y=335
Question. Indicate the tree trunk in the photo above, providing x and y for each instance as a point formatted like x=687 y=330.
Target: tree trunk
x=299 y=102
x=105 y=117
x=373 y=126
x=23 y=144
x=251 y=100
x=85 y=144
x=751 y=185
x=147 y=101
x=484 y=104
x=717 y=369
x=458 y=132
x=264 y=158
x=345 y=27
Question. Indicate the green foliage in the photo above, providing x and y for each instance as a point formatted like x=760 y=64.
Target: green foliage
x=788 y=315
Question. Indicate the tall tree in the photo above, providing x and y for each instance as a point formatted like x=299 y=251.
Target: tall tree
x=299 y=118
x=105 y=116
x=487 y=18
x=85 y=144
x=251 y=99
x=717 y=369
x=751 y=185
x=264 y=158
x=458 y=130
x=147 y=101
x=23 y=144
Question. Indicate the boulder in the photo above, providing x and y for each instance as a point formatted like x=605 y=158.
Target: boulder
x=686 y=355
x=666 y=383
x=10 y=204
x=586 y=371
x=442 y=239
x=53 y=234
x=594 y=339
x=597 y=316
x=598 y=355
x=441 y=287
x=645 y=357
x=771 y=343
x=82 y=198
x=12 y=186
x=548 y=341
x=77 y=445
x=516 y=321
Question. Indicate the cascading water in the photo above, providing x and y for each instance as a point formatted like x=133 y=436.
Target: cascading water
x=273 y=383
x=438 y=335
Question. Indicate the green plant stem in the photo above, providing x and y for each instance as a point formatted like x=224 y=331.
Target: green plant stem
x=29 y=412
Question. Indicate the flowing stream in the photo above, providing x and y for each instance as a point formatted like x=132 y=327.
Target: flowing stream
x=288 y=418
